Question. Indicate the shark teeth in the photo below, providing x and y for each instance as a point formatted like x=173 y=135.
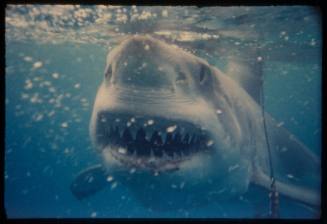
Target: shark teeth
x=164 y=163
x=172 y=146
x=159 y=140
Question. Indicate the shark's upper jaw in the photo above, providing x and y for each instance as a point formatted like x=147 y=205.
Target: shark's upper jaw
x=150 y=142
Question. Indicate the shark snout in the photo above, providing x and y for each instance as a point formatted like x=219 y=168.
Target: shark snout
x=137 y=66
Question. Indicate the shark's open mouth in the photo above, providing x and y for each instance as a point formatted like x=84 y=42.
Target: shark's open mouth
x=150 y=142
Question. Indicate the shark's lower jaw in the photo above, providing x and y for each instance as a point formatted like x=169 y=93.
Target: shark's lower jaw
x=150 y=142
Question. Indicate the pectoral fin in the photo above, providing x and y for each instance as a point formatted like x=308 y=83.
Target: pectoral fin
x=89 y=182
x=292 y=191
x=296 y=168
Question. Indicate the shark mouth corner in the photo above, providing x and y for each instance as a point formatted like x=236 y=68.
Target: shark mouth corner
x=149 y=142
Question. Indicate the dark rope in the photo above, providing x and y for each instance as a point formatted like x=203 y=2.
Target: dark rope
x=265 y=130
x=273 y=195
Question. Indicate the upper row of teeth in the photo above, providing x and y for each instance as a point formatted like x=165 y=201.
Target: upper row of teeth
x=173 y=128
x=149 y=134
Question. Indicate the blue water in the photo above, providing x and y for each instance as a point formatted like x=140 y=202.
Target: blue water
x=54 y=64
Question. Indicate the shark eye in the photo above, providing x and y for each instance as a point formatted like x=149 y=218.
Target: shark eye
x=108 y=72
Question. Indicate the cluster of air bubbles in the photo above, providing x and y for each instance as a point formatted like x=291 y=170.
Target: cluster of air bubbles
x=55 y=23
x=42 y=102
x=59 y=23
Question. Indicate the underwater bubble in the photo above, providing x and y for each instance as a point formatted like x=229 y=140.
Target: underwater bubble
x=38 y=117
x=290 y=176
x=36 y=98
x=84 y=100
x=280 y=124
x=114 y=185
x=64 y=125
x=121 y=18
x=218 y=111
x=45 y=83
x=37 y=65
x=210 y=143
x=28 y=84
x=90 y=179
x=52 y=90
x=110 y=178
x=282 y=33
x=145 y=15
x=55 y=75
x=132 y=170
x=122 y=150
x=24 y=96
x=171 y=128
x=164 y=13
x=231 y=168
x=28 y=59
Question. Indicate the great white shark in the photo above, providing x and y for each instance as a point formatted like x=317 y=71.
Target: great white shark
x=171 y=127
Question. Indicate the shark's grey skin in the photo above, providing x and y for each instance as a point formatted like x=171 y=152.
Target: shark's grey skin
x=151 y=86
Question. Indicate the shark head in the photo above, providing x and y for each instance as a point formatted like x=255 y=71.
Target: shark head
x=161 y=111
